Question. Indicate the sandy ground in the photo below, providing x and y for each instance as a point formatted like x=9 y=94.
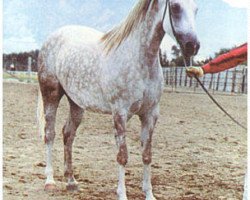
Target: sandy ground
x=198 y=153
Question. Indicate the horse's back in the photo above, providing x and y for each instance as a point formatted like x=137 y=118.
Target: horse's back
x=67 y=38
x=79 y=34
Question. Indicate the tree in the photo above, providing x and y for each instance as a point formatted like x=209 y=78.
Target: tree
x=20 y=60
x=163 y=59
x=222 y=51
x=178 y=59
x=176 y=51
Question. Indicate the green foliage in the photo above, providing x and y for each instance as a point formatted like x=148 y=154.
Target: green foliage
x=222 y=51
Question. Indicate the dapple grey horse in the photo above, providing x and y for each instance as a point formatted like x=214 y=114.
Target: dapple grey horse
x=117 y=72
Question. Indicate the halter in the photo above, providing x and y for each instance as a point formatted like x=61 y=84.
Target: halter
x=185 y=64
x=172 y=28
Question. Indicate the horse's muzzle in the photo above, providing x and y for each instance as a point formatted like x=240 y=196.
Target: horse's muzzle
x=189 y=44
x=191 y=48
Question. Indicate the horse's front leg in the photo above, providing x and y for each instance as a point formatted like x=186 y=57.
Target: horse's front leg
x=122 y=156
x=148 y=121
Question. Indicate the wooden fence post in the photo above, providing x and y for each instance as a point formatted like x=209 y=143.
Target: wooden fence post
x=246 y=80
x=190 y=81
x=185 y=84
x=204 y=80
x=225 y=83
x=211 y=81
x=175 y=77
x=166 y=77
x=218 y=82
x=233 y=81
x=29 y=68
x=181 y=76
x=172 y=77
x=243 y=84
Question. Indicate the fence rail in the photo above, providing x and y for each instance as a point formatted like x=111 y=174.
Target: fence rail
x=232 y=80
x=21 y=76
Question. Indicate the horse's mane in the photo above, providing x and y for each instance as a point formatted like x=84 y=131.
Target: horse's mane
x=113 y=38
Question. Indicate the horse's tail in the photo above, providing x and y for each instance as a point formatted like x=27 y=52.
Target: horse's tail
x=40 y=115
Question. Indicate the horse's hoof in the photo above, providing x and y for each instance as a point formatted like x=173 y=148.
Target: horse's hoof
x=72 y=187
x=50 y=187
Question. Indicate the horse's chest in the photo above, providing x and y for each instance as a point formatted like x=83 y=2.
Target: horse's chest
x=152 y=93
x=149 y=97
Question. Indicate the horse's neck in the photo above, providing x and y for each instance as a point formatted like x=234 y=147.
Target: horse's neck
x=150 y=40
x=141 y=48
x=151 y=35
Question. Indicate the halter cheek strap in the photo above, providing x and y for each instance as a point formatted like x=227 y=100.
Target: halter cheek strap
x=171 y=23
x=174 y=32
x=165 y=10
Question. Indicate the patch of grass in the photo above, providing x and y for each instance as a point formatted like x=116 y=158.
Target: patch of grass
x=23 y=77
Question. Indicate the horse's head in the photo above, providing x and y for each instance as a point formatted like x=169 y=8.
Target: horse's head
x=179 y=23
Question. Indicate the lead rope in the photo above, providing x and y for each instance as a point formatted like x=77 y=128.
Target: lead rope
x=197 y=79
x=214 y=100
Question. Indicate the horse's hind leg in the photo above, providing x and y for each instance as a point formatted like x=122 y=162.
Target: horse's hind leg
x=52 y=92
x=69 y=132
x=148 y=121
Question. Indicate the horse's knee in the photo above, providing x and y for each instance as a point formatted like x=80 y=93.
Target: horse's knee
x=49 y=127
x=122 y=156
x=49 y=136
x=147 y=154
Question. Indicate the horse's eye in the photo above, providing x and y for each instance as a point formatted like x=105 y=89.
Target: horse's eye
x=176 y=8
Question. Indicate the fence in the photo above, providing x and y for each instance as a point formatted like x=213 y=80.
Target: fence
x=232 y=80
x=20 y=76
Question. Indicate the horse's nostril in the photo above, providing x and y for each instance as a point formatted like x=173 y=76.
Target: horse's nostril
x=192 y=48
x=189 y=48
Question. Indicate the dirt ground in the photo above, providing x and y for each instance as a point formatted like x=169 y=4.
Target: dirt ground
x=198 y=153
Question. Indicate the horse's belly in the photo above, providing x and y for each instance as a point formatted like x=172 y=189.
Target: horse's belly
x=80 y=78
x=89 y=99
x=84 y=90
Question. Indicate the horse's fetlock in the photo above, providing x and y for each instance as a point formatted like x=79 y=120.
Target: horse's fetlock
x=68 y=173
x=147 y=160
x=147 y=157
x=122 y=156
x=49 y=137
x=122 y=159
